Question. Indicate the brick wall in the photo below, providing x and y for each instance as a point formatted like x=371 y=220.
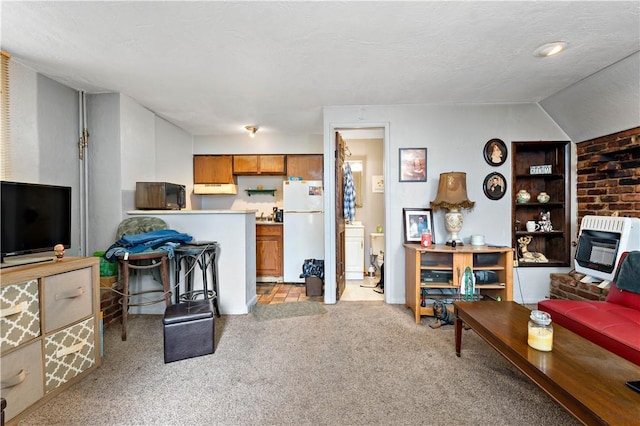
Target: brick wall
x=109 y=300
x=609 y=175
x=569 y=287
x=608 y=181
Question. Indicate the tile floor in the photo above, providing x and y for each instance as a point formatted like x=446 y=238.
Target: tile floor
x=272 y=293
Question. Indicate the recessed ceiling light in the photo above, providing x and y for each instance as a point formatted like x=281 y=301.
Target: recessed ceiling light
x=550 y=49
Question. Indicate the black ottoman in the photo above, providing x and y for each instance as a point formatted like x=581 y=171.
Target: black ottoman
x=188 y=330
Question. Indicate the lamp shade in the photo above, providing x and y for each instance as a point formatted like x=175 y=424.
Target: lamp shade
x=452 y=192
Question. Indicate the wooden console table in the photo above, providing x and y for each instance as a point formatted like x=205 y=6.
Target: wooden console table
x=440 y=267
x=585 y=379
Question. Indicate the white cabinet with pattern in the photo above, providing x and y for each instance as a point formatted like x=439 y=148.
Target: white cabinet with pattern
x=49 y=330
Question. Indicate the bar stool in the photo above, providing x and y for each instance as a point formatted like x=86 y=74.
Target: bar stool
x=139 y=261
x=204 y=256
x=148 y=260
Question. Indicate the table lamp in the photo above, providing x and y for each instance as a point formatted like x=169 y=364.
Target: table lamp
x=452 y=195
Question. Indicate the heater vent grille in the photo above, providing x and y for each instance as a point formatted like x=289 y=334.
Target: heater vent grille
x=604 y=223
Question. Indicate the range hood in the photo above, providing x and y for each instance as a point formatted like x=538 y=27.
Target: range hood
x=215 y=188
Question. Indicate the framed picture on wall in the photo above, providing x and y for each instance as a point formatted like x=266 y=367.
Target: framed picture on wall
x=416 y=221
x=494 y=186
x=495 y=152
x=413 y=164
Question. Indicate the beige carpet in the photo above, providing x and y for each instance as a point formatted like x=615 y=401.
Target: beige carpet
x=360 y=363
x=287 y=310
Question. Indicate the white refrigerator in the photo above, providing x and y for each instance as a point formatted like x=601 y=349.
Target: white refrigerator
x=303 y=203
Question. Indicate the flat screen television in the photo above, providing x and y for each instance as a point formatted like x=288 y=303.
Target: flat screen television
x=34 y=218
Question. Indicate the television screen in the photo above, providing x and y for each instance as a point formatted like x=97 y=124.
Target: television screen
x=34 y=217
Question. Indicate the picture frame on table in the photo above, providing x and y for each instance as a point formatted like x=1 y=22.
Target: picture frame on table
x=495 y=152
x=412 y=164
x=414 y=221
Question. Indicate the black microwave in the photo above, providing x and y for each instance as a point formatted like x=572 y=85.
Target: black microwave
x=160 y=196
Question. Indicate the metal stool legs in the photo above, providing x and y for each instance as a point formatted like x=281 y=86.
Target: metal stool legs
x=205 y=258
x=126 y=265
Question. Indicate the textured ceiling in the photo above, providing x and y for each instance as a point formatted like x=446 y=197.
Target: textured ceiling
x=214 y=67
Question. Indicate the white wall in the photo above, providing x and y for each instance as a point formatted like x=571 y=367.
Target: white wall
x=128 y=144
x=603 y=103
x=44 y=117
x=105 y=180
x=454 y=136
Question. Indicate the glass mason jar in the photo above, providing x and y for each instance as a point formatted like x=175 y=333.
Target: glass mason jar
x=540 y=335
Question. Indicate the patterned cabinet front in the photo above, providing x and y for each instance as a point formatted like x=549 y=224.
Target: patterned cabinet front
x=21 y=378
x=68 y=353
x=19 y=314
x=67 y=298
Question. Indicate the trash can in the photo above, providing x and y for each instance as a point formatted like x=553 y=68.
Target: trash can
x=313 y=274
x=313 y=286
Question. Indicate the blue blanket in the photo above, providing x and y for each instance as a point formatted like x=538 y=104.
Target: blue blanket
x=160 y=240
x=629 y=273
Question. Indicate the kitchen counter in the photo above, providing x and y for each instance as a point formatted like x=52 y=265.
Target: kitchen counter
x=235 y=233
x=267 y=222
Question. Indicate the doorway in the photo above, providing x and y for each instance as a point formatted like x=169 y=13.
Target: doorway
x=364 y=153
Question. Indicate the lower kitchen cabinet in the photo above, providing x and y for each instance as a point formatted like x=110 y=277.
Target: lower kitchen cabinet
x=354 y=252
x=49 y=330
x=269 y=250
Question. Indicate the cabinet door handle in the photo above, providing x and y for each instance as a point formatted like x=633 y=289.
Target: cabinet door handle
x=16 y=380
x=13 y=310
x=70 y=294
x=71 y=349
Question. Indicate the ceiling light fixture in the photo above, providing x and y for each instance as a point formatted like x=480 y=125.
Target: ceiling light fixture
x=252 y=130
x=550 y=49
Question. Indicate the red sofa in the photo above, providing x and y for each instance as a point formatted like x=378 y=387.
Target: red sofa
x=613 y=324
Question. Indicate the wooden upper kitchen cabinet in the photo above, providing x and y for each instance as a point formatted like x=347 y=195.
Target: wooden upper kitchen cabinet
x=259 y=164
x=308 y=166
x=213 y=169
x=269 y=250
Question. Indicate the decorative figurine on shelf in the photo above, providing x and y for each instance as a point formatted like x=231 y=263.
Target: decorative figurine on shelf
x=529 y=256
x=58 y=251
x=545 y=222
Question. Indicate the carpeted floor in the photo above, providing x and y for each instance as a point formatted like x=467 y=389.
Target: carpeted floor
x=360 y=363
x=287 y=310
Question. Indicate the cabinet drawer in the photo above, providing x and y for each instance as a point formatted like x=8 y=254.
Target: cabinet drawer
x=19 y=314
x=67 y=298
x=351 y=231
x=68 y=353
x=268 y=230
x=22 y=378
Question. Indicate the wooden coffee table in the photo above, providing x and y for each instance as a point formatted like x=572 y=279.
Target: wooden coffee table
x=587 y=380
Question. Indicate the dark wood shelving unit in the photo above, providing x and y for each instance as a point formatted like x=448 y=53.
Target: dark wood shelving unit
x=556 y=244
